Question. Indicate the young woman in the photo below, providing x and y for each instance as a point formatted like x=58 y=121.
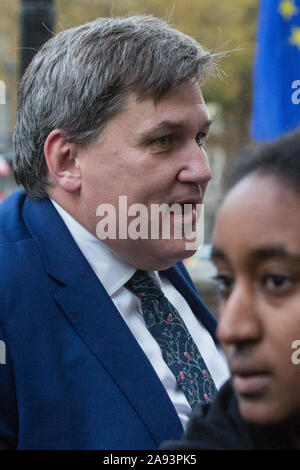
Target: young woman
x=256 y=250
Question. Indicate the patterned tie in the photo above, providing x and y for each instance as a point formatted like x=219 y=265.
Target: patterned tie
x=177 y=346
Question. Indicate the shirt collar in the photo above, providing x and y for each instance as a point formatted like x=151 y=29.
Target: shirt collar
x=112 y=271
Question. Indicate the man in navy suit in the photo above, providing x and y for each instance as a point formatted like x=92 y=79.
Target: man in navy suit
x=108 y=110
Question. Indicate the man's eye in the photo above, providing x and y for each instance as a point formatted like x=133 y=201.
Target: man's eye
x=164 y=141
x=201 y=138
x=277 y=283
x=224 y=285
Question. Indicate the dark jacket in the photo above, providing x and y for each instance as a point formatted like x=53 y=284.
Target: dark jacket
x=219 y=426
x=74 y=376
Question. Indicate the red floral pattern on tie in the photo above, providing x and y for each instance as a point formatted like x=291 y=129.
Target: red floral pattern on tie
x=178 y=348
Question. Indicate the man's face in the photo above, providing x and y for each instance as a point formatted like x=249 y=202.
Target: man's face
x=151 y=153
x=256 y=249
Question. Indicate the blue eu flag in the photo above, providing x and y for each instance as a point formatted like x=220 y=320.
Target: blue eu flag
x=276 y=100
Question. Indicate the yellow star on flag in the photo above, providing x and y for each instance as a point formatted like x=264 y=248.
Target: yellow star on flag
x=295 y=37
x=288 y=9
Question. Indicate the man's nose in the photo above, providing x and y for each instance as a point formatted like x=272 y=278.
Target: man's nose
x=195 y=166
x=239 y=320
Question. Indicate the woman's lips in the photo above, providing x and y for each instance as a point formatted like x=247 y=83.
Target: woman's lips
x=251 y=383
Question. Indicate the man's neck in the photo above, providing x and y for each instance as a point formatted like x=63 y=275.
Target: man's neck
x=70 y=203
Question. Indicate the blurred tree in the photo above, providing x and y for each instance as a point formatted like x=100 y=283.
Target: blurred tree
x=9 y=37
x=37 y=21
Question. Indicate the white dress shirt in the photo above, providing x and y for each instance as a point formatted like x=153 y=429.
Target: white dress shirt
x=113 y=272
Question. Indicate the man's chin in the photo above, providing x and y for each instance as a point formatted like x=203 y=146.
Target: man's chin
x=169 y=254
x=151 y=255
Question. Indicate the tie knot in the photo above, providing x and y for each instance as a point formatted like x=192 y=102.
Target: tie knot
x=142 y=285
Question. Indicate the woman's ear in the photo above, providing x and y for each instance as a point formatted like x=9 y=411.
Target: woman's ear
x=62 y=161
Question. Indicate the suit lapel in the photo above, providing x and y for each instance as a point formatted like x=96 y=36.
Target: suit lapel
x=102 y=328
x=93 y=315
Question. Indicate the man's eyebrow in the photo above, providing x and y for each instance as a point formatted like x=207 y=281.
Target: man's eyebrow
x=166 y=125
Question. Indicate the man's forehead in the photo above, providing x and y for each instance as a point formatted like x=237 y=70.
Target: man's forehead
x=182 y=95
x=181 y=107
x=173 y=110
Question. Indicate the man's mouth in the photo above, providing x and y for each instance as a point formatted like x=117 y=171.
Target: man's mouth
x=187 y=214
x=188 y=211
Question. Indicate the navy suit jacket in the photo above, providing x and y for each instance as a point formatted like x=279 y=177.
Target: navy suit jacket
x=74 y=377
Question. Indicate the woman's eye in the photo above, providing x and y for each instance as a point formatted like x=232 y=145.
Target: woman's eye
x=277 y=283
x=224 y=285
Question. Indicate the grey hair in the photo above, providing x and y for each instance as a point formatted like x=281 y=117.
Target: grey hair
x=81 y=78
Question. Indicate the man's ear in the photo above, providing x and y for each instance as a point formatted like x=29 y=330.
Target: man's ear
x=62 y=161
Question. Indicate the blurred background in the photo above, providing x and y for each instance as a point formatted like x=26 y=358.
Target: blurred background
x=264 y=37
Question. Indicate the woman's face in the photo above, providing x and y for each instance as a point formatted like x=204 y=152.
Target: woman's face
x=256 y=249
